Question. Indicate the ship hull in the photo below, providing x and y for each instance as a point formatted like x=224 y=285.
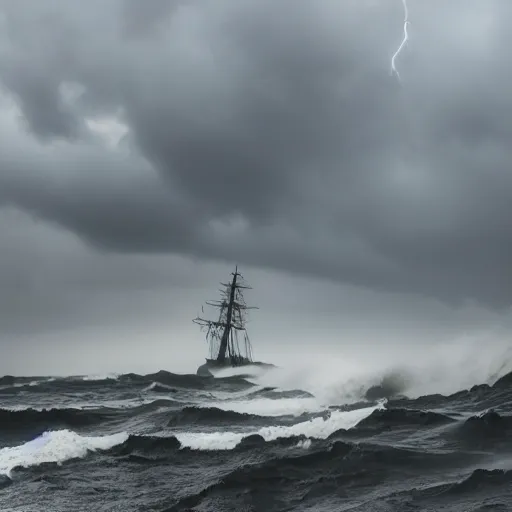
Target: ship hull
x=211 y=366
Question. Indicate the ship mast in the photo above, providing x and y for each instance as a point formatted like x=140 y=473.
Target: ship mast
x=227 y=328
x=231 y=320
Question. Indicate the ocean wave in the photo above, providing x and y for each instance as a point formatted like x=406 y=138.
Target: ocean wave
x=10 y=380
x=129 y=405
x=54 y=384
x=155 y=447
x=258 y=441
x=21 y=422
x=55 y=446
x=481 y=478
x=7 y=380
x=209 y=415
x=388 y=418
x=504 y=382
x=158 y=387
x=188 y=381
x=48 y=418
x=230 y=395
x=483 y=430
x=152 y=447
x=15 y=385
x=480 y=481
x=277 y=393
x=270 y=407
x=276 y=476
x=319 y=428
x=214 y=416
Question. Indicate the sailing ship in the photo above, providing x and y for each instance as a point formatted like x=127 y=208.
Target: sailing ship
x=227 y=336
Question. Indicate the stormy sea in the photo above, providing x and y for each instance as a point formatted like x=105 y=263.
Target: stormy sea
x=172 y=442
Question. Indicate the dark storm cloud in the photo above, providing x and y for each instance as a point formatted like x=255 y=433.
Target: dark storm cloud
x=271 y=132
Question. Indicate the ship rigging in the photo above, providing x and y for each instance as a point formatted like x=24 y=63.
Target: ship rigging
x=229 y=343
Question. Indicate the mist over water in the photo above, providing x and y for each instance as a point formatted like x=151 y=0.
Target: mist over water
x=413 y=370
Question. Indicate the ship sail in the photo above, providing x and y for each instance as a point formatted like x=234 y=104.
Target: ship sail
x=227 y=336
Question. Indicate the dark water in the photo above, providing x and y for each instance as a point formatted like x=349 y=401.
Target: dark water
x=167 y=442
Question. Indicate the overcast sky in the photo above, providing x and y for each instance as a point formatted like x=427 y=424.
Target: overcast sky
x=146 y=147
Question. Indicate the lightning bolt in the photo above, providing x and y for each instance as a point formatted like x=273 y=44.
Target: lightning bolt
x=404 y=40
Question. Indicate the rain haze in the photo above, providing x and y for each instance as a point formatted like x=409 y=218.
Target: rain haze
x=148 y=147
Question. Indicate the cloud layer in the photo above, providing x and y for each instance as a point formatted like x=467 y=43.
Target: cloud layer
x=271 y=134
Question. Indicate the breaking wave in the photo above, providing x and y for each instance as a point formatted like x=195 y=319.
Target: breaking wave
x=319 y=428
x=57 y=447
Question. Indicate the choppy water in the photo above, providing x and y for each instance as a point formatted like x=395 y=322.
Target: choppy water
x=167 y=442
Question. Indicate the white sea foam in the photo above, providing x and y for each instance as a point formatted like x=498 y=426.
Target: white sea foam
x=252 y=370
x=101 y=376
x=306 y=444
x=56 y=446
x=129 y=403
x=154 y=385
x=317 y=428
x=32 y=383
x=23 y=384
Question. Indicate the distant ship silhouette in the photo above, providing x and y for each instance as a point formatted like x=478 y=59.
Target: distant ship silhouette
x=227 y=336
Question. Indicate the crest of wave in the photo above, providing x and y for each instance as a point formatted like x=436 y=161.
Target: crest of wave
x=56 y=446
x=316 y=428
